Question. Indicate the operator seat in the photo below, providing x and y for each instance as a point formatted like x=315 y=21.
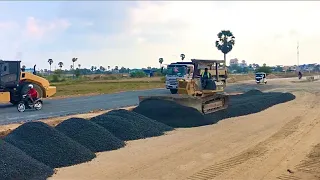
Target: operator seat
x=211 y=85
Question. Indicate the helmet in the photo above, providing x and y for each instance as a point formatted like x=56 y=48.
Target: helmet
x=30 y=86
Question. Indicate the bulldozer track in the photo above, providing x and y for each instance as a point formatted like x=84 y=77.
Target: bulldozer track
x=214 y=103
x=257 y=151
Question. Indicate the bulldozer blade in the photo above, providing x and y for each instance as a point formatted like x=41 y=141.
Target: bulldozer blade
x=204 y=105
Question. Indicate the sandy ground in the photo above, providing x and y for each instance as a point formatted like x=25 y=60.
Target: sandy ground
x=272 y=144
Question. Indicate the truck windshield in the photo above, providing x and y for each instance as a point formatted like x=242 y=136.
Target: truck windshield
x=259 y=75
x=176 y=70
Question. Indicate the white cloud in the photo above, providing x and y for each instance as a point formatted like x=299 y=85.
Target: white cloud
x=253 y=23
x=36 y=28
x=266 y=32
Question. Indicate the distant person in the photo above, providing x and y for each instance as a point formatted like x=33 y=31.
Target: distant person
x=34 y=69
x=300 y=75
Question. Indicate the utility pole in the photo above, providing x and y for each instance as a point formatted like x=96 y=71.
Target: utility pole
x=298 y=52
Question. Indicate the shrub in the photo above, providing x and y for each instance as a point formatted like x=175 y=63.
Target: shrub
x=138 y=74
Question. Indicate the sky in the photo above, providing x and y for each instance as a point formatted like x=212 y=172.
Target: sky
x=136 y=34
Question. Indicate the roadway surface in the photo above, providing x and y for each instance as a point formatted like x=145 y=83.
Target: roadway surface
x=85 y=104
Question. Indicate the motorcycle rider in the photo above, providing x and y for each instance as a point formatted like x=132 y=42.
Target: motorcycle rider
x=32 y=93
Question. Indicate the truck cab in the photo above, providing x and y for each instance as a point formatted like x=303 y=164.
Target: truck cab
x=176 y=71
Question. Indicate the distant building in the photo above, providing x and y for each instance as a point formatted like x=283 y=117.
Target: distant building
x=149 y=72
x=243 y=64
x=234 y=61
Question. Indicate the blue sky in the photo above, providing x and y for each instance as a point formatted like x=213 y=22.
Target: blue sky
x=136 y=34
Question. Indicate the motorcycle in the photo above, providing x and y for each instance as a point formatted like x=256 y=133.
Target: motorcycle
x=26 y=103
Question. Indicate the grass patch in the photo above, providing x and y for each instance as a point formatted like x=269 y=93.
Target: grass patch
x=79 y=87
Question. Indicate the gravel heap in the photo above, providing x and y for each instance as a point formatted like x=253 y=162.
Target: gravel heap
x=89 y=134
x=176 y=115
x=148 y=127
x=250 y=103
x=48 y=145
x=171 y=113
x=120 y=127
x=17 y=165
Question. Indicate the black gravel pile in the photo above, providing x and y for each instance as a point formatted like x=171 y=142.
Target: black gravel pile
x=17 y=165
x=148 y=127
x=48 y=145
x=176 y=115
x=89 y=134
x=171 y=113
x=249 y=103
x=120 y=127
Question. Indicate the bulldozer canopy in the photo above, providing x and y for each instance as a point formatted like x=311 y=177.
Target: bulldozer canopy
x=206 y=62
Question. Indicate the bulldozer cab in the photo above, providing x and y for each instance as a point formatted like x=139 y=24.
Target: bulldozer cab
x=214 y=67
x=9 y=74
x=218 y=75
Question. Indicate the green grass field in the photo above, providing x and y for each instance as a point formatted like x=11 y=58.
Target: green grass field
x=70 y=88
x=106 y=85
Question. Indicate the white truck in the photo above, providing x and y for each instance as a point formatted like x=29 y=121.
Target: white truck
x=261 y=78
x=175 y=71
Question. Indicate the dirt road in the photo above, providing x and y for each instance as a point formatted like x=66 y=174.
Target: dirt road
x=278 y=143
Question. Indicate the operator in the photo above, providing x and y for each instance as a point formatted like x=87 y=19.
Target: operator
x=205 y=76
x=32 y=93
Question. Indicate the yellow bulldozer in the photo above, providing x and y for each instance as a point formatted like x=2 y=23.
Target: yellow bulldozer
x=192 y=92
x=14 y=83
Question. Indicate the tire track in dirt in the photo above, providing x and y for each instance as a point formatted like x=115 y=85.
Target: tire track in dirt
x=309 y=167
x=255 y=152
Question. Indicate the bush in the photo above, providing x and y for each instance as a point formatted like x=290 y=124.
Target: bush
x=111 y=77
x=77 y=72
x=138 y=74
x=55 y=78
x=163 y=79
x=265 y=69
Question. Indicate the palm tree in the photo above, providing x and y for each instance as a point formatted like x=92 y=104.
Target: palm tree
x=60 y=64
x=50 y=61
x=182 y=56
x=73 y=61
x=109 y=68
x=92 y=68
x=95 y=68
x=101 y=68
x=79 y=65
x=160 y=61
x=71 y=67
x=225 y=43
